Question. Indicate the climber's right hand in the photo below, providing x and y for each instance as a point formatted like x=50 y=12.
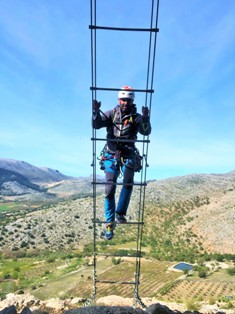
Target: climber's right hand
x=96 y=105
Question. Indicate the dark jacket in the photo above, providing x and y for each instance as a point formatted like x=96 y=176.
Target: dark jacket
x=123 y=127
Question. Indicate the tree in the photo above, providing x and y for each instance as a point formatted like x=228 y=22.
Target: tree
x=202 y=274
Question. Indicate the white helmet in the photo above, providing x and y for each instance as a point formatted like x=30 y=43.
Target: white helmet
x=126 y=92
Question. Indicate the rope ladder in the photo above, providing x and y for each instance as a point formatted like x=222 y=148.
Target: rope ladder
x=144 y=142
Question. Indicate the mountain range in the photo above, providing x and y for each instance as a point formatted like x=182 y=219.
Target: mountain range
x=37 y=175
x=20 y=180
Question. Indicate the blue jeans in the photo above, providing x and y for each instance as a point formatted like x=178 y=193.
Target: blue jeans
x=113 y=168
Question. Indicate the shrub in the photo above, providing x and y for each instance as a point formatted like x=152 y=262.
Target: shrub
x=230 y=305
x=88 y=250
x=6 y=276
x=202 y=274
x=192 y=305
x=15 y=275
x=31 y=235
x=212 y=300
x=219 y=257
x=231 y=271
x=17 y=268
x=23 y=244
x=116 y=261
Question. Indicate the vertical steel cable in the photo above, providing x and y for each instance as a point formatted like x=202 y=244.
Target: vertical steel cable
x=149 y=54
x=93 y=83
x=143 y=172
x=154 y=53
x=153 y=65
x=148 y=103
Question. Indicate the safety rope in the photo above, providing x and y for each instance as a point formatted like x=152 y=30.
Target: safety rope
x=93 y=164
x=148 y=103
x=153 y=30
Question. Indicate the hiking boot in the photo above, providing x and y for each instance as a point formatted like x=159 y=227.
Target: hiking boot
x=121 y=218
x=109 y=232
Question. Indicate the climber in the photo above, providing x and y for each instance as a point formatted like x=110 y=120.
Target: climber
x=119 y=154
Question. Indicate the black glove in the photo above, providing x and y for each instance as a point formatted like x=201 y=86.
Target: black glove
x=145 y=112
x=96 y=105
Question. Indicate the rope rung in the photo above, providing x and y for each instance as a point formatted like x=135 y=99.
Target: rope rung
x=118 y=255
x=118 y=183
x=117 y=282
x=119 y=140
x=131 y=29
x=118 y=89
x=118 y=224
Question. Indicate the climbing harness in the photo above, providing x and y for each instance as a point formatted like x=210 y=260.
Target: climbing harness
x=120 y=158
x=141 y=158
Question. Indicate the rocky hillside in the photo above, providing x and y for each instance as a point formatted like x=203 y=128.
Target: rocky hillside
x=198 y=210
x=12 y=182
x=67 y=224
x=184 y=216
x=194 y=211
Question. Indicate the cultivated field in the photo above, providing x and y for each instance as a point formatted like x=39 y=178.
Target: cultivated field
x=65 y=278
x=200 y=290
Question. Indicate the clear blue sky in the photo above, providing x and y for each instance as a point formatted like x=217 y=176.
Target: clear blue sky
x=45 y=79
